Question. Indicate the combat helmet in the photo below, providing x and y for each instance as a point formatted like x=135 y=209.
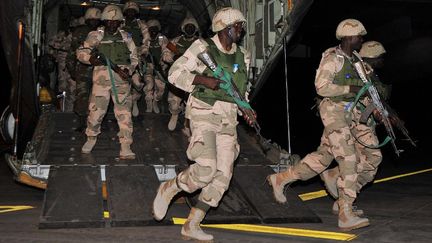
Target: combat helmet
x=131 y=5
x=189 y=20
x=350 y=27
x=112 y=12
x=92 y=13
x=154 y=23
x=372 y=49
x=225 y=17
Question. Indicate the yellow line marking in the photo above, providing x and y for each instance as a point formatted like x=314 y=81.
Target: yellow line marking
x=403 y=175
x=277 y=230
x=106 y=214
x=313 y=195
x=322 y=193
x=293 y=231
x=5 y=209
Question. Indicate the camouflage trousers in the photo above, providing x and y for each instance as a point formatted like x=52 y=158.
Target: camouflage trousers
x=357 y=164
x=154 y=87
x=174 y=102
x=65 y=83
x=70 y=95
x=99 y=101
x=136 y=94
x=213 y=147
x=83 y=88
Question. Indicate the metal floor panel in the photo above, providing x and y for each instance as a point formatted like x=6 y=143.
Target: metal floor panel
x=131 y=190
x=73 y=198
x=252 y=181
x=153 y=143
x=234 y=208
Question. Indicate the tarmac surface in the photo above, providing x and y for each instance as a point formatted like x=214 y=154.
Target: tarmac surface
x=398 y=205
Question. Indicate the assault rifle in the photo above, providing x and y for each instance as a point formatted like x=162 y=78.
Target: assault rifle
x=157 y=69
x=105 y=61
x=230 y=87
x=386 y=115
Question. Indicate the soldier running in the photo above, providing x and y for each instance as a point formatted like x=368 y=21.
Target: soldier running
x=338 y=83
x=213 y=120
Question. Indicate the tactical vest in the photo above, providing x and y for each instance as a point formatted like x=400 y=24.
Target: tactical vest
x=346 y=76
x=228 y=62
x=115 y=48
x=134 y=29
x=183 y=44
x=155 y=49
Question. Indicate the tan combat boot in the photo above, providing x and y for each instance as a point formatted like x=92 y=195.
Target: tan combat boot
x=126 y=152
x=172 y=122
x=278 y=182
x=156 y=107
x=357 y=212
x=167 y=190
x=192 y=230
x=329 y=178
x=135 y=110
x=88 y=146
x=149 y=105
x=347 y=219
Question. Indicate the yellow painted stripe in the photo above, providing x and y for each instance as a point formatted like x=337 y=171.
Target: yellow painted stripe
x=403 y=175
x=277 y=230
x=106 y=214
x=313 y=195
x=322 y=193
x=6 y=208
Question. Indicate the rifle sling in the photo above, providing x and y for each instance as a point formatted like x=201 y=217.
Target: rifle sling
x=114 y=89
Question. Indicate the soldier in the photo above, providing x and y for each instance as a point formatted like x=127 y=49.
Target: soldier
x=80 y=72
x=190 y=31
x=338 y=83
x=156 y=67
x=213 y=119
x=372 y=53
x=139 y=31
x=60 y=46
x=110 y=44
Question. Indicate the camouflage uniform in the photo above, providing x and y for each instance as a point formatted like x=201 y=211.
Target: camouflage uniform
x=213 y=119
x=80 y=72
x=182 y=43
x=155 y=85
x=357 y=164
x=368 y=164
x=60 y=46
x=102 y=89
x=138 y=29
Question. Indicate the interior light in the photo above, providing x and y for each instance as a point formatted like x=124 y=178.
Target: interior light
x=85 y=3
x=155 y=8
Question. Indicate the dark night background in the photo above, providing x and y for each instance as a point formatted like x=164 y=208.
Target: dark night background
x=404 y=28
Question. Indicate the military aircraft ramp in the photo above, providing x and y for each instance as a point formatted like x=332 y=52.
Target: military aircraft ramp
x=99 y=190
